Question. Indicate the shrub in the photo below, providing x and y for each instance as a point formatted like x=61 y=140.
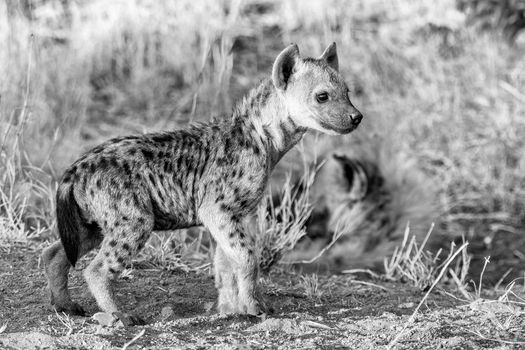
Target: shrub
x=505 y=15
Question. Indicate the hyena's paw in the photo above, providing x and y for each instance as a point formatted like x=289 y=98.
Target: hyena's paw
x=228 y=300
x=71 y=309
x=254 y=306
x=226 y=308
x=227 y=303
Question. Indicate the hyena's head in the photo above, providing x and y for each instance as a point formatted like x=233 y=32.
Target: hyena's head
x=314 y=91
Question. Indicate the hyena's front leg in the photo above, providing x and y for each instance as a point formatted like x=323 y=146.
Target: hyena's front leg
x=226 y=283
x=235 y=265
x=250 y=301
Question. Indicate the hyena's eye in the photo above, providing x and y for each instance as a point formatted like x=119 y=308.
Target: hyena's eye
x=321 y=97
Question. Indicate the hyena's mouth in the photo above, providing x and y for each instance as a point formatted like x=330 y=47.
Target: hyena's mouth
x=339 y=130
x=346 y=131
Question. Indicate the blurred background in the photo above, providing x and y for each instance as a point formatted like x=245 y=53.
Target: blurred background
x=441 y=85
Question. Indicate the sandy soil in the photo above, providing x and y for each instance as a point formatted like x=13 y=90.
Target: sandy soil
x=349 y=313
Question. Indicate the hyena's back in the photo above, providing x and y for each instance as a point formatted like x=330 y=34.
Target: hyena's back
x=117 y=193
x=128 y=186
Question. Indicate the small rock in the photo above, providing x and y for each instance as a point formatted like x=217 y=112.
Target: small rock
x=338 y=312
x=208 y=307
x=453 y=342
x=389 y=315
x=236 y=326
x=166 y=312
x=408 y=305
x=315 y=325
x=492 y=306
x=104 y=319
x=101 y=330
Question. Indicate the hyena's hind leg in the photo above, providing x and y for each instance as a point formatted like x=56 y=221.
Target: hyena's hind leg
x=124 y=236
x=57 y=266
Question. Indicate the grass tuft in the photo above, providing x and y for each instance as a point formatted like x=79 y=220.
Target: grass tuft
x=276 y=229
x=310 y=285
x=501 y=308
x=410 y=263
x=176 y=250
x=439 y=275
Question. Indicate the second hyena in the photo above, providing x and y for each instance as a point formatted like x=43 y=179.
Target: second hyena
x=208 y=174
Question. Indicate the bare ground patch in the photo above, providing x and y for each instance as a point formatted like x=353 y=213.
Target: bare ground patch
x=179 y=307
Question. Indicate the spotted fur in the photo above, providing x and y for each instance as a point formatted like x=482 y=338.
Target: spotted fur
x=211 y=174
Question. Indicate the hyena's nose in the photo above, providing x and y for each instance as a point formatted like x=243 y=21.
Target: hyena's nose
x=356 y=118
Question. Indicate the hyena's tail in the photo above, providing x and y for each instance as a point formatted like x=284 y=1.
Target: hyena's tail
x=69 y=222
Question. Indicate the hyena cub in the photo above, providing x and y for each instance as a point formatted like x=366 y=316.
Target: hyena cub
x=212 y=175
x=369 y=196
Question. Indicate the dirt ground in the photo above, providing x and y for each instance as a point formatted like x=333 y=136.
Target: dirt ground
x=347 y=312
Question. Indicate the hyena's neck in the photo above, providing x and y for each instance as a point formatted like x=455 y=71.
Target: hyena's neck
x=265 y=117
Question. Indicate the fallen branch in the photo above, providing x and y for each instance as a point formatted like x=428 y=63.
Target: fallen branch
x=135 y=338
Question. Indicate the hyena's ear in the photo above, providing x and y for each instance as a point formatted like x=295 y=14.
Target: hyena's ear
x=346 y=168
x=284 y=66
x=330 y=56
x=355 y=176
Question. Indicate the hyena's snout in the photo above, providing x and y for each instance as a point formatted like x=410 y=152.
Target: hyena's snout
x=355 y=117
x=350 y=120
x=344 y=121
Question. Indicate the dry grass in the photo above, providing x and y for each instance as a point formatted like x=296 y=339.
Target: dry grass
x=66 y=321
x=176 y=250
x=439 y=275
x=411 y=263
x=502 y=308
x=310 y=285
x=448 y=100
x=276 y=229
x=144 y=63
x=135 y=338
x=489 y=14
x=424 y=270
